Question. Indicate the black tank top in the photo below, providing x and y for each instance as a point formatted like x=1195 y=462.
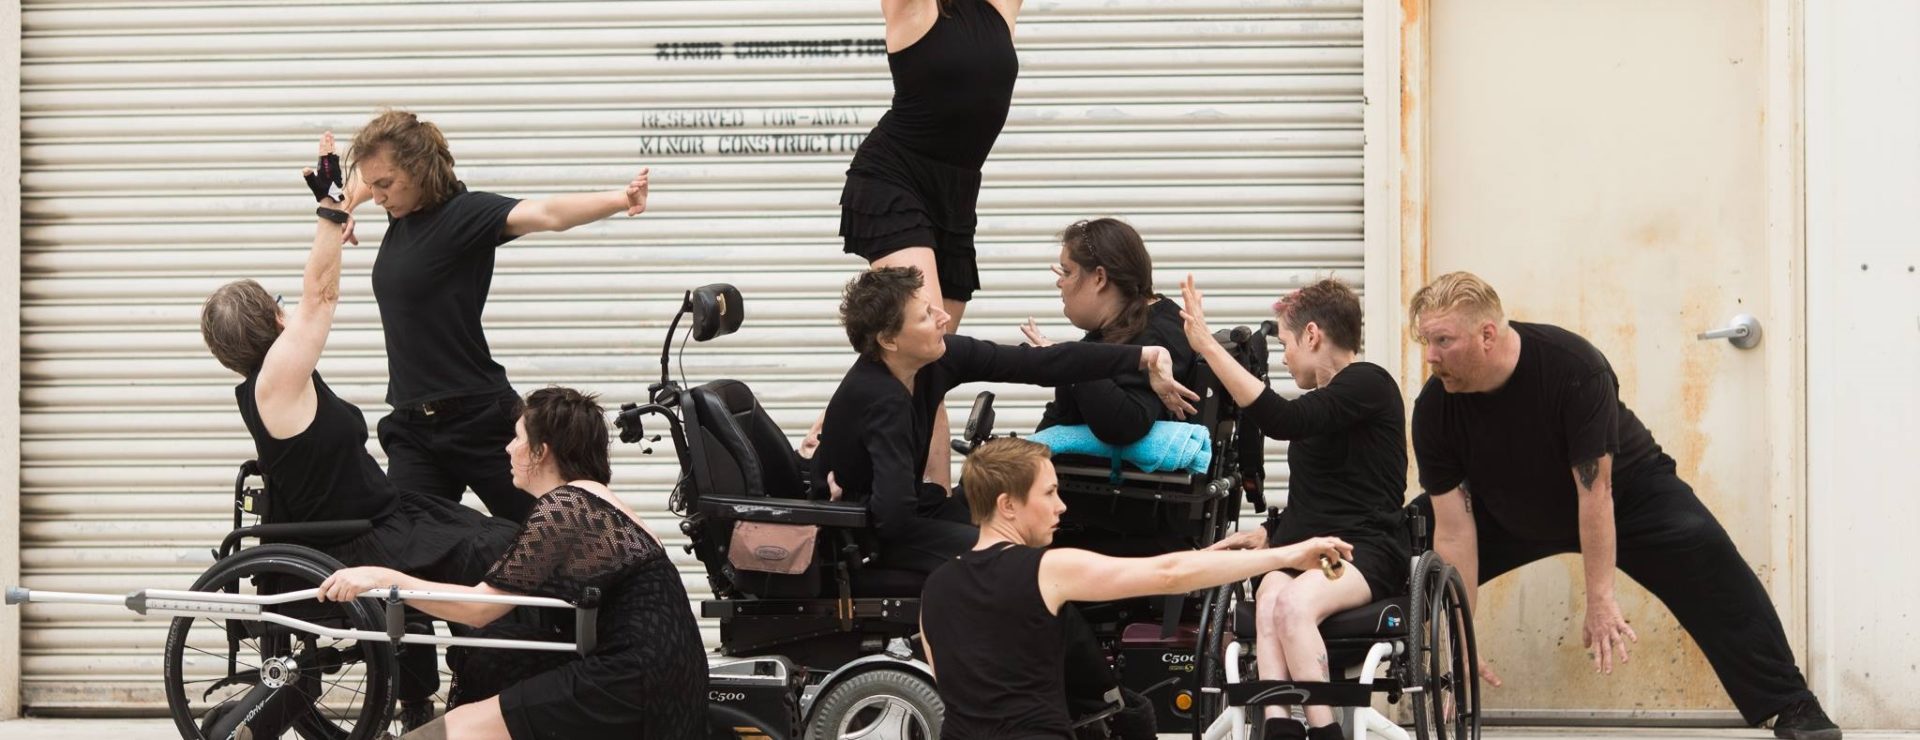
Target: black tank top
x=998 y=655
x=324 y=473
x=952 y=88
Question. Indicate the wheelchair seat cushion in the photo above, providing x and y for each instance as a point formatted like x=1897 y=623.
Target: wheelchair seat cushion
x=1386 y=618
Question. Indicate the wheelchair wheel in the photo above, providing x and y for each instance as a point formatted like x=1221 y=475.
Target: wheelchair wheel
x=1442 y=657
x=882 y=703
x=1216 y=630
x=340 y=687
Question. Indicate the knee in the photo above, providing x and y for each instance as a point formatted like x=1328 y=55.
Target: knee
x=1293 y=613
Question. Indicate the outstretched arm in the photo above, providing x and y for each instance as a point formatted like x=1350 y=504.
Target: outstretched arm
x=1078 y=575
x=284 y=390
x=562 y=212
x=347 y=584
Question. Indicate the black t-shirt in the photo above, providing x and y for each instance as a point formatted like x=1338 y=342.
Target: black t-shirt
x=999 y=656
x=1122 y=409
x=1346 y=457
x=876 y=434
x=1514 y=448
x=431 y=279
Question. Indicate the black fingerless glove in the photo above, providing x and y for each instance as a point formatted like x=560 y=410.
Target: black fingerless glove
x=325 y=181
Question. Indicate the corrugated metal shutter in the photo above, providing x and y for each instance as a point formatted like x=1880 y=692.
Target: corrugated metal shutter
x=160 y=141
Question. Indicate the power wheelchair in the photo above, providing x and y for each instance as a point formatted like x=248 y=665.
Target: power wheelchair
x=1119 y=510
x=843 y=628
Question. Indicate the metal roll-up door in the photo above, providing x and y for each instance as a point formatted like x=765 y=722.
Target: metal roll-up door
x=160 y=141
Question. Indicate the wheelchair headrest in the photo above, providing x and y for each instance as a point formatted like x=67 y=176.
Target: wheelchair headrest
x=717 y=311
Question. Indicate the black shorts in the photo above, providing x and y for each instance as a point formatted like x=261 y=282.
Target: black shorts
x=895 y=199
x=1381 y=562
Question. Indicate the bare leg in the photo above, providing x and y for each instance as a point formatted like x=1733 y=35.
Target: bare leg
x=1311 y=599
x=480 y=720
x=940 y=452
x=1268 y=651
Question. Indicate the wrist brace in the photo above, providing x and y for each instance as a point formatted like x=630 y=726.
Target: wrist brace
x=325 y=180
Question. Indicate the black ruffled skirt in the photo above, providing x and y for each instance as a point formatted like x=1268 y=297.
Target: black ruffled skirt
x=895 y=199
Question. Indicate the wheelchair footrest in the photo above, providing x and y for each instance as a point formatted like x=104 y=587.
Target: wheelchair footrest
x=1318 y=693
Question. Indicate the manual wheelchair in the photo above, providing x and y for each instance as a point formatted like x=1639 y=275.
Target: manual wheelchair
x=249 y=641
x=1419 y=644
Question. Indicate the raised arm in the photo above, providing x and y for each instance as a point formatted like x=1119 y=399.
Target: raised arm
x=1331 y=408
x=1067 y=574
x=562 y=212
x=284 y=390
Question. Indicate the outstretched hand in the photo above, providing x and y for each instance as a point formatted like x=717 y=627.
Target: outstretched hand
x=348 y=583
x=637 y=193
x=1034 y=337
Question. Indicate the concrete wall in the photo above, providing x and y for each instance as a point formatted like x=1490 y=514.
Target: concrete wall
x=1863 y=169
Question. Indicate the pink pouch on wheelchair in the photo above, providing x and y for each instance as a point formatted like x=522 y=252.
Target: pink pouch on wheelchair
x=772 y=548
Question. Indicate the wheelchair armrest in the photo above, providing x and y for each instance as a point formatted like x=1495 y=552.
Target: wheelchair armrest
x=842 y=514
x=296 y=531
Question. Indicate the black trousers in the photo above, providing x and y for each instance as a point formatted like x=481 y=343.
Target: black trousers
x=924 y=542
x=1669 y=542
x=446 y=447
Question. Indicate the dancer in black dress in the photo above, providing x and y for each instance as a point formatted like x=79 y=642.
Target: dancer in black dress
x=911 y=192
x=647 y=676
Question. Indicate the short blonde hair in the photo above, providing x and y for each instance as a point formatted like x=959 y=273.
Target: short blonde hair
x=1456 y=292
x=1004 y=465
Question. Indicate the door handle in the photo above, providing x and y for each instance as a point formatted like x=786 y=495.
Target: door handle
x=1742 y=332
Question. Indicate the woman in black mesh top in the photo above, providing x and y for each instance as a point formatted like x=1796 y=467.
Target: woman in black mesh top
x=647 y=676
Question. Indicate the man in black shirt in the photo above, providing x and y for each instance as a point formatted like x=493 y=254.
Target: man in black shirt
x=1526 y=451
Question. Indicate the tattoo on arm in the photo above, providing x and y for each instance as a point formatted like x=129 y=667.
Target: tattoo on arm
x=1588 y=472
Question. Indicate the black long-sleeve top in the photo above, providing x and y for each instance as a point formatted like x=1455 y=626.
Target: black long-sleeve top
x=1122 y=409
x=877 y=432
x=1347 y=457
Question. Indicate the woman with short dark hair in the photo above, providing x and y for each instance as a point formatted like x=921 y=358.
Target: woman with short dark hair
x=1347 y=477
x=880 y=424
x=647 y=674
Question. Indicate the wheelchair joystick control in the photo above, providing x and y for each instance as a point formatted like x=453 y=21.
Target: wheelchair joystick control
x=1332 y=568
